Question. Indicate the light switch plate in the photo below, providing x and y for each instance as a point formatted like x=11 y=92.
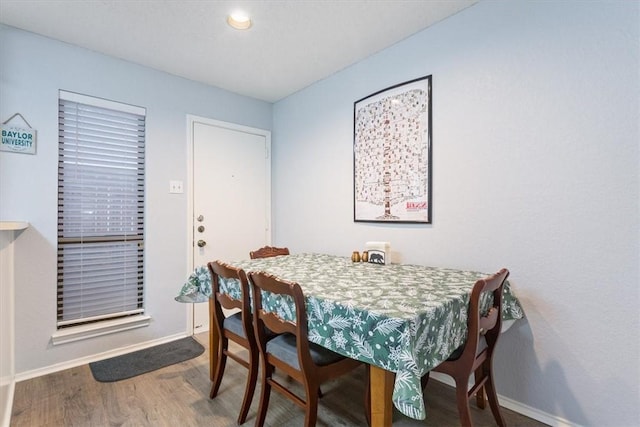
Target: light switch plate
x=175 y=187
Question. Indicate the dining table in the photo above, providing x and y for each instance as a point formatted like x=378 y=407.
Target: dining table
x=401 y=319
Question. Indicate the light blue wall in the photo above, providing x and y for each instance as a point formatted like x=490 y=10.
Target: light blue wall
x=32 y=69
x=535 y=168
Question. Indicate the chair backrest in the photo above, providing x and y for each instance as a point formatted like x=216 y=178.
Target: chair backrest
x=221 y=300
x=489 y=323
x=268 y=251
x=276 y=321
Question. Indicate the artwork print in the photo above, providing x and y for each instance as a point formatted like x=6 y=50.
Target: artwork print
x=392 y=154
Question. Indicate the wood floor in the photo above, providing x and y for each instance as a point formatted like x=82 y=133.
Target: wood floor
x=178 y=395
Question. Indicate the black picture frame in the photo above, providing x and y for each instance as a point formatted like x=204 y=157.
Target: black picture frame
x=392 y=139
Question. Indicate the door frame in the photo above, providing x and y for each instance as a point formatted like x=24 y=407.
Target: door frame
x=191 y=121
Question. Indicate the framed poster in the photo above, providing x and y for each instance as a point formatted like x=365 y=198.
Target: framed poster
x=392 y=154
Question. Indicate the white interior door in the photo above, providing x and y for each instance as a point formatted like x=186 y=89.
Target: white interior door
x=231 y=195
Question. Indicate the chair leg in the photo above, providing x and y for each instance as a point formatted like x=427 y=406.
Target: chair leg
x=493 y=400
x=481 y=402
x=265 y=393
x=462 y=400
x=424 y=380
x=250 y=388
x=367 y=395
x=222 y=362
x=311 y=411
x=480 y=394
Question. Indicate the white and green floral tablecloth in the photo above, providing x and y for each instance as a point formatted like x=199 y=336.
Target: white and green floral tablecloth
x=403 y=318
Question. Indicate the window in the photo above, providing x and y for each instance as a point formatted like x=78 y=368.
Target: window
x=101 y=175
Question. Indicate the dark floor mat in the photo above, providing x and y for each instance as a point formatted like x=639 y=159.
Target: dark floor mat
x=147 y=360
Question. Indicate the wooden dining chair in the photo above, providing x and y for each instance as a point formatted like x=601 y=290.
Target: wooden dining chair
x=237 y=327
x=268 y=251
x=291 y=352
x=475 y=356
x=271 y=251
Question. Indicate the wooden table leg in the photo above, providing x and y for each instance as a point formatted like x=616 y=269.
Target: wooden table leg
x=381 y=383
x=213 y=342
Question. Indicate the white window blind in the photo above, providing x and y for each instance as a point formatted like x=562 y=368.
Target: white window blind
x=101 y=175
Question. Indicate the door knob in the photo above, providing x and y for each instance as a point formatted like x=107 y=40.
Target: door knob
x=201 y=228
x=201 y=243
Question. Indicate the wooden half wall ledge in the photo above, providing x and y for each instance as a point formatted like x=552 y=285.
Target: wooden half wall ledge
x=13 y=225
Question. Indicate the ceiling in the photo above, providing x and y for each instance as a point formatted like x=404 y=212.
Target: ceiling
x=291 y=44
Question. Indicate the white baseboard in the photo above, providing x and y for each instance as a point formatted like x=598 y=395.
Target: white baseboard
x=95 y=357
x=515 y=406
x=8 y=404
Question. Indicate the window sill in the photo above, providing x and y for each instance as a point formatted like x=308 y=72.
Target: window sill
x=77 y=333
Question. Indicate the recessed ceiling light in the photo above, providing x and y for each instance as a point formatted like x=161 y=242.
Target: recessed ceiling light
x=239 y=20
